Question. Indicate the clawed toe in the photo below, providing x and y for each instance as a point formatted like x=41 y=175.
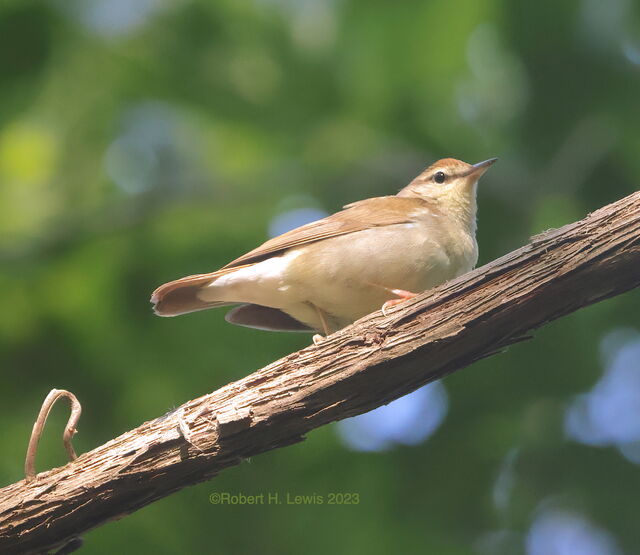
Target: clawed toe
x=317 y=339
x=384 y=308
x=390 y=304
x=404 y=296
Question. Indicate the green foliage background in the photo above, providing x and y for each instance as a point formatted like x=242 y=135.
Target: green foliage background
x=267 y=105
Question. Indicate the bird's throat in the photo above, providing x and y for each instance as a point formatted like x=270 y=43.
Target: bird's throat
x=461 y=205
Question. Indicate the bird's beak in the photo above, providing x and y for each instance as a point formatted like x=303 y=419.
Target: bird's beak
x=478 y=169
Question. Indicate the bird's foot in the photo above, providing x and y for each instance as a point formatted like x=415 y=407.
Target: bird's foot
x=317 y=338
x=402 y=296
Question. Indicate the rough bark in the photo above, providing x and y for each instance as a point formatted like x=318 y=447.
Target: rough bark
x=355 y=370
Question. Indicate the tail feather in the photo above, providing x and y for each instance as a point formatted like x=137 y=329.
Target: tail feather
x=181 y=295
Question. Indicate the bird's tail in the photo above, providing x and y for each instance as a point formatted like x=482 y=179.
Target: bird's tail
x=181 y=295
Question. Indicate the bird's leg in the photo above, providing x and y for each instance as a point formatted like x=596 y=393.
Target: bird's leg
x=317 y=338
x=402 y=296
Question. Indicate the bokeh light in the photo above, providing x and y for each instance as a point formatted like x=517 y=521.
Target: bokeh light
x=133 y=159
x=556 y=532
x=609 y=414
x=110 y=18
x=294 y=218
x=409 y=420
x=28 y=157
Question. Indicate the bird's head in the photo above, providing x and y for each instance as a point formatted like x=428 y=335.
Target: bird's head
x=448 y=182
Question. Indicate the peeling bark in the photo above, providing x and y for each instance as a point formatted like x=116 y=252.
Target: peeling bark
x=366 y=365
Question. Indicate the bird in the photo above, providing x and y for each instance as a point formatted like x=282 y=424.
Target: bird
x=371 y=255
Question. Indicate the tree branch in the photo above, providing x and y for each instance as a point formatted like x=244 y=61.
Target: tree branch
x=355 y=370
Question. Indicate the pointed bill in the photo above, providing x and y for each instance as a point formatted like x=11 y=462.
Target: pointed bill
x=481 y=167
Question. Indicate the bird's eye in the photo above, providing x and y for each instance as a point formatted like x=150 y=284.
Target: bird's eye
x=439 y=177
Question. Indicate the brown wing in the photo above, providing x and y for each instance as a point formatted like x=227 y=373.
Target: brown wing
x=365 y=214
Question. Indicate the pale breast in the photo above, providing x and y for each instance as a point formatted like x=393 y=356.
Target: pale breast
x=350 y=276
